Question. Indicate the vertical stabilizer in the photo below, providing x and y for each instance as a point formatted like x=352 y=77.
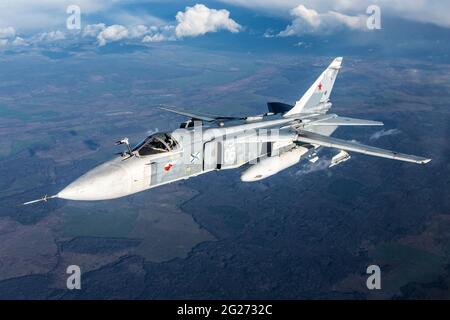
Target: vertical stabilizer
x=317 y=96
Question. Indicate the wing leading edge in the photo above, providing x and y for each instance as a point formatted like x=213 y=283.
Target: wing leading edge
x=345 y=121
x=200 y=116
x=325 y=141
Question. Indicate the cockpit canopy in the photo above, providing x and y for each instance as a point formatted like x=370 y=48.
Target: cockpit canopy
x=156 y=143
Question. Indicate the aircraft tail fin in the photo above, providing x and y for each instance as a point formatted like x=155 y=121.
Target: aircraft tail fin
x=317 y=96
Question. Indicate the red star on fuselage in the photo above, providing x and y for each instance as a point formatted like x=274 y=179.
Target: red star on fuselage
x=168 y=166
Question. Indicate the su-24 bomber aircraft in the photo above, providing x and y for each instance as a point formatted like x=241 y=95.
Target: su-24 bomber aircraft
x=266 y=144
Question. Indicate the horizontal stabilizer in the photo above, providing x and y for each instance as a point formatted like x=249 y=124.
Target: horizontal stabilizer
x=344 y=121
x=325 y=141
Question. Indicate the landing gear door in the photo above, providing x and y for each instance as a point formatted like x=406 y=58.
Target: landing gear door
x=212 y=155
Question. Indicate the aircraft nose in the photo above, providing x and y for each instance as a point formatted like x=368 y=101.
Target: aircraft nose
x=107 y=181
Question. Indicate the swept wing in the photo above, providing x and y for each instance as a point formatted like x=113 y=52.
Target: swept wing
x=345 y=121
x=325 y=141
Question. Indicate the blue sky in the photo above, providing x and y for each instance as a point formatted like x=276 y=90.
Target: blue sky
x=284 y=25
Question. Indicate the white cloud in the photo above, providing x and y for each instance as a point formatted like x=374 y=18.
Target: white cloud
x=39 y=15
x=8 y=38
x=19 y=42
x=138 y=31
x=40 y=38
x=51 y=36
x=269 y=33
x=199 y=19
x=381 y=133
x=92 y=30
x=158 y=37
x=112 y=33
x=7 y=33
x=148 y=34
x=429 y=11
x=158 y=34
x=192 y=22
x=309 y=20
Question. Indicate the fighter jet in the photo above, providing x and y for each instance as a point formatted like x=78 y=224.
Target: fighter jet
x=264 y=144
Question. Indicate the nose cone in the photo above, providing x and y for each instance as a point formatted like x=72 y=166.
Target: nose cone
x=107 y=181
